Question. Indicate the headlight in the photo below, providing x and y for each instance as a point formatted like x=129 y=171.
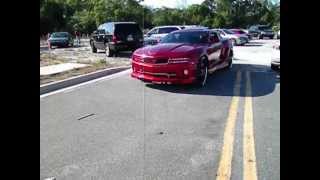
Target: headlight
x=178 y=60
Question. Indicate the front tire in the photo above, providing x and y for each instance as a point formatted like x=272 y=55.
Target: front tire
x=230 y=60
x=260 y=36
x=234 y=42
x=202 y=72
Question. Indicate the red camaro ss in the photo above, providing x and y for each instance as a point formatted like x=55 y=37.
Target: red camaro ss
x=183 y=57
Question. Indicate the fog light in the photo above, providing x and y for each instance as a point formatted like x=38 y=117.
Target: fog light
x=185 y=72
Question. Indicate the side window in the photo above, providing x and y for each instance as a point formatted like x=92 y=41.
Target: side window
x=253 y=28
x=109 y=28
x=221 y=32
x=167 y=30
x=219 y=37
x=101 y=31
x=100 y=27
x=154 y=31
x=214 y=37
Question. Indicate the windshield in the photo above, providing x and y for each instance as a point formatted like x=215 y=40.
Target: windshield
x=238 y=31
x=128 y=29
x=263 y=27
x=227 y=31
x=59 y=35
x=186 y=37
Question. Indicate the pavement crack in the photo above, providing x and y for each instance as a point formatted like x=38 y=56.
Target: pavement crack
x=83 y=117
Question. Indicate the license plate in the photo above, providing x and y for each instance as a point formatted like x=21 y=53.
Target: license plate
x=130 y=38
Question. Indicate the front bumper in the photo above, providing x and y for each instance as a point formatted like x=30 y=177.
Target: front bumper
x=241 y=41
x=59 y=43
x=164 y=73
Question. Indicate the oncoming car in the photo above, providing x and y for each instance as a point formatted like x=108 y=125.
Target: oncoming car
x=60 y=39
x=183 y=57
x=155 y=34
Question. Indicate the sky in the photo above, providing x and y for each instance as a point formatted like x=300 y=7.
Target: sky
x=174 y=3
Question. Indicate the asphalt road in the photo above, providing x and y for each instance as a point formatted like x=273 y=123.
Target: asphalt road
x=120 y=128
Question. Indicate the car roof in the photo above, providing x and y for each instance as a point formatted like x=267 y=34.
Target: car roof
x=60 y=33
x=121 y=22
x=194 y=30
x=168 y=26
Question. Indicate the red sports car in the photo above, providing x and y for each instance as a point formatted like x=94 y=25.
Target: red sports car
x=183 y=57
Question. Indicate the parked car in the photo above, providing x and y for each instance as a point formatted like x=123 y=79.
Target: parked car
x=116 y=36
x=275 y=58
x=183 y=57
x=155 y=34
x=240 y=31
x=261 y=31
x=60 y=39
x=236 y=39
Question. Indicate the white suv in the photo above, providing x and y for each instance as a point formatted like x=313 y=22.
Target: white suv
x=155 y=34
x=236 y=39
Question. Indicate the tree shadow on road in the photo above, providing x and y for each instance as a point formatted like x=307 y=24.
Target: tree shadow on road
x=221 y=83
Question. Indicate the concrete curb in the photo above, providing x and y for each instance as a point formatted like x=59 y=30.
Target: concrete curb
x=46 y=88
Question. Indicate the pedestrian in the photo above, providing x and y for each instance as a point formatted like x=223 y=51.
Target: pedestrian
x=48 y=36
x=77 y=34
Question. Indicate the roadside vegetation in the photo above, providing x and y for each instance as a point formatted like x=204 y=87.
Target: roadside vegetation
x=86 y=15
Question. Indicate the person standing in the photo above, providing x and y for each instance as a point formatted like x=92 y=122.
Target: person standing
x=77 y=34
x=48 y=36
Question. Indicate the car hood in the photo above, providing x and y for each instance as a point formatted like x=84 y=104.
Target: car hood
x=168 y=49
x=231 y=36
x=241 y=35
x=267 y=31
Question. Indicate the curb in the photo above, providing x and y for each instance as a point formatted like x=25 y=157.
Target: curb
x=46 y=88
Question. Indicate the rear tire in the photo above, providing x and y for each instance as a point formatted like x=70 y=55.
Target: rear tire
x=230 y=60
x=202 y=72
x=93 y=48
x=109 y=52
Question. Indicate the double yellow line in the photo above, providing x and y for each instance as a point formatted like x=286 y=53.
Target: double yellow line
x=249 y=158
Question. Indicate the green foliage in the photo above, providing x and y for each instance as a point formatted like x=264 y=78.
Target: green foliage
x=86 y=15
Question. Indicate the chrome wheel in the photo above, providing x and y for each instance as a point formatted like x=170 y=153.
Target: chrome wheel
x=202 y=73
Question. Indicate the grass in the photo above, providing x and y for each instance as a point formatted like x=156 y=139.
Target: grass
x=99 y=65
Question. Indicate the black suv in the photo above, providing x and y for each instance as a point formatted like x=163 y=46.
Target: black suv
x=261 y=31
x=116 y=36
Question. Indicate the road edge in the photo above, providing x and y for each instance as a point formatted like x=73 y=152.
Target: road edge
x=49 y=87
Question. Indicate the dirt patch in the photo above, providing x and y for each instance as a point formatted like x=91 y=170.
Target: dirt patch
x=79 y=71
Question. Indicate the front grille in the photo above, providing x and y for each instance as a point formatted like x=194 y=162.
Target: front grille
x=150 y=60
x=243 y=39
x=167 y=75
x=161 y=61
